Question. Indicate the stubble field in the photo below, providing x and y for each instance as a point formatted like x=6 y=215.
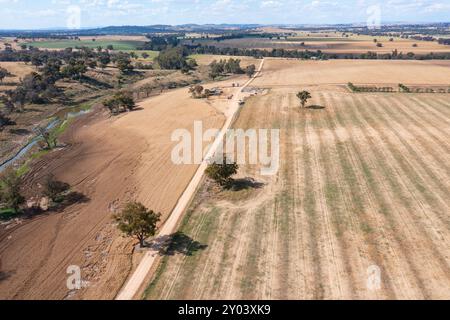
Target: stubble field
x=363 y=182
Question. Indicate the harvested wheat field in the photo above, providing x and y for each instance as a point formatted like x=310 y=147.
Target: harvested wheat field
x=109 y=161
x=281 y=72
x=363 y=184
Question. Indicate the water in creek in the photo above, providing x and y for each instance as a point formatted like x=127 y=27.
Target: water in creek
x=58 y=118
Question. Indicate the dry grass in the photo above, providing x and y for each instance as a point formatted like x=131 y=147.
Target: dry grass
x=18 y=70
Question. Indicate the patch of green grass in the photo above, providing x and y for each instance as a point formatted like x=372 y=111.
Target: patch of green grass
x=366 y=228
x=62 y=44
x=61 y=128
x=39 y=154
x=23 y=169
x=8 y=213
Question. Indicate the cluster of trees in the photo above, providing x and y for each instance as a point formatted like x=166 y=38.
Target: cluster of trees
x=11 y=196
x=444 y=41
x=121 y=101
x=3 y=74
x=160 y=43
x=74 y=69
x=123 y=62
x=5 y=121
x=34 y=88
x=231 y=66
x=73 y=61
x=219 y=68
x=176 y=59
x=142 y=66
x=10 y=193
x=198 y=92
x=40 y=87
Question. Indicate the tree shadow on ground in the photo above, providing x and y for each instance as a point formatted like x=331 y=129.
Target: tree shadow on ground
x=71 y=199
x=96 y=83
x=67 y=201
x=178 y=243
x=245 y=184
x=315 y=107
x=5 y=275
x=20 y=132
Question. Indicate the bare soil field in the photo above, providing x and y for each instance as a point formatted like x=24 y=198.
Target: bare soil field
x=282 y=72
x=109 y=161
x=364 y=181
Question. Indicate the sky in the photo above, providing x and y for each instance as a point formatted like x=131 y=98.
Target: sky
x=40 y=14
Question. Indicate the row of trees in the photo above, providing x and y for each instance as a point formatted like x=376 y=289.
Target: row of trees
x=401 y=88
x=256 y=53
x=306 y=54
x=369 y=88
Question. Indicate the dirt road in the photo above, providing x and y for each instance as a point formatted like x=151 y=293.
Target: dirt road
x=137 y=280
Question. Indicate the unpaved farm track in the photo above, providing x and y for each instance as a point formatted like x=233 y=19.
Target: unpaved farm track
x=110 y=161
x=363 y=183
x=137 y=280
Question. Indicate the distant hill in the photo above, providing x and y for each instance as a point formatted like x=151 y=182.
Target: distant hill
x=130 y=30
